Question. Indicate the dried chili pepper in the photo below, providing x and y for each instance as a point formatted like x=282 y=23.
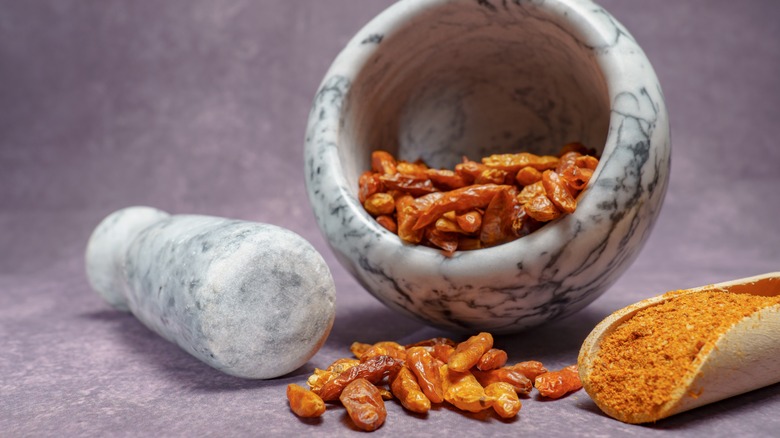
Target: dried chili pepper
x=442 y=352
x=470 y=170
x=303 y=402
x=558 y=192
x=408 y=213
x=514 y=162
x=415 y=185
x=499 y=217
x=491 y=176
x=343 y=364
x=432 y=342
x=319 y=378
x=368 y=184
x=518 y=381
x=524 y=224
x=359 y=348
x=470 y=222
x=426 y=368
x=529 y=368
x=587 y=162
x=542 y=209
x=527 y=176
x=465 y=198
x=444 y=179
x=373 y=369
x=364 y=404
x=427 y=201
x=448 y=226
x=382 y=162
x=462 y=390
x=385 y=393
x=379 y=204
x=417 y=168
x=577 y=177
x=569 y=159
x=406 y=388
x=529 y=192
x=385 y=348
x=506 y=403
x=492 y=359
x=468 y=352
x=442 y=239
x=388 y=222
x=556 y=384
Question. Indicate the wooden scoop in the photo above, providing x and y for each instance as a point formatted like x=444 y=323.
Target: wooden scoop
x=745 y=357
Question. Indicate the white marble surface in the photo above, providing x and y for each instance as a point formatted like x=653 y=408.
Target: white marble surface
x=252 y=300
x=441 y=79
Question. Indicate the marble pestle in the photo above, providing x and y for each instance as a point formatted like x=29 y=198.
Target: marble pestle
x=252 y=300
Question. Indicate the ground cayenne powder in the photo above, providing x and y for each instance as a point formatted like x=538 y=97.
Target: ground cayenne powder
x=641 y=363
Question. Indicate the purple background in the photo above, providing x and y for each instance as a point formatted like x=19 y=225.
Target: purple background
x=200 y=107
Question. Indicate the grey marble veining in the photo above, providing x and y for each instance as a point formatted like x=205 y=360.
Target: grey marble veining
x=252 y=300
x=438 y=80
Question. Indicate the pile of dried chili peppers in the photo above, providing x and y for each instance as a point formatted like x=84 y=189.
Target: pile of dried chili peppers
x=472 y=376
x=478 y=204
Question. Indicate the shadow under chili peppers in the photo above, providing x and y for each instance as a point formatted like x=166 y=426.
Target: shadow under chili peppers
x=309 y=421
x=484 y=416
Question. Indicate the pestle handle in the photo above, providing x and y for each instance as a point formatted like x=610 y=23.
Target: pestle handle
x=253 y=300
x=107 y=247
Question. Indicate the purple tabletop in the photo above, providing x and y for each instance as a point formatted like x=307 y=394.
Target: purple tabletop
x=200 y=107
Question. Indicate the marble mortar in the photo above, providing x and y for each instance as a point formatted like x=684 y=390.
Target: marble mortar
x=252 y=300
x=440 y=79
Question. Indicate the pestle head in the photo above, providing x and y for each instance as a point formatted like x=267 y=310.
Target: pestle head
x=252 y=300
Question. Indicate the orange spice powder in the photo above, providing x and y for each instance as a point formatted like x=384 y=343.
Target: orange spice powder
x=647 y=357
